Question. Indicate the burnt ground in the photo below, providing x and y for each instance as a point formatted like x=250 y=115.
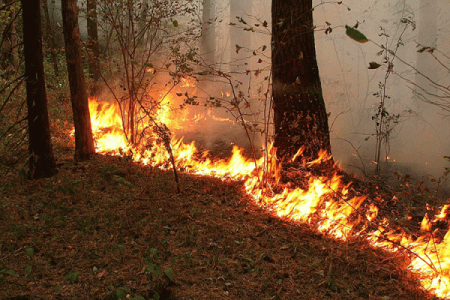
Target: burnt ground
x=112 y=229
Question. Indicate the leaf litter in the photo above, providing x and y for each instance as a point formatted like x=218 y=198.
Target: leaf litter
x=112 y=229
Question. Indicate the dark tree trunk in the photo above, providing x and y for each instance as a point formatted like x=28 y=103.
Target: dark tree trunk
x=42 y=161
x=300 y=118
x=84 y=142
x=94 y=52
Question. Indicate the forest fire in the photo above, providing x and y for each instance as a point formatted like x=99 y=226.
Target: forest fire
x=322 y=201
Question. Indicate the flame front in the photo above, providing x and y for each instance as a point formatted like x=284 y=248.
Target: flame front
x=325 y=201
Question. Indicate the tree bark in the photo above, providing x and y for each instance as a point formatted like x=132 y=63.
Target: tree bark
x=42 y=161
x=50 y=38
x=84 y=142
x=93 y=46
x=300 y=117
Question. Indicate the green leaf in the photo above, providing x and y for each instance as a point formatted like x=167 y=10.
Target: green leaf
x=374 y=65
x=134 y=62
x=22 y=174
x=355 y=35
x=121 y=293
x=30 y=252
x=72 y=276
x=137 y=298
x=150 y=65
x=9 y=272
x=153 y=269
x=28 y=270
x=168 y=273
x=175 y=23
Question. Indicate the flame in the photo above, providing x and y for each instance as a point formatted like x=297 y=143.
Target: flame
x=324 y=202
x=188 y=82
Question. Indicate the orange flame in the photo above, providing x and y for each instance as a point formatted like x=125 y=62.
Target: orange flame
x=325 y=200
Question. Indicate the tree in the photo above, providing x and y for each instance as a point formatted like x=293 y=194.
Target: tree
x=300 y=118
x=42 y=161
x=93 y=46
x=208 y=40
x=84 y=141
x=50 y=36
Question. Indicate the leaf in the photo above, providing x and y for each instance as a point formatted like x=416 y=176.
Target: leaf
x=238 y=48
x=28 y=271
x=264 y=47
x=355 y=35
x=175 y=23
x=30 y=252
x=101 y=273
x=137 y=298
x=203 y=73
x=9 y=272
x=168 y=273
x=121 y=293
x=151 y=268
x=22 y=174
x=374 y=65
x=72 y=276
x=150 y=65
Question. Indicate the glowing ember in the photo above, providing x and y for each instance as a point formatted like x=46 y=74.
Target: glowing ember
x=324 y=201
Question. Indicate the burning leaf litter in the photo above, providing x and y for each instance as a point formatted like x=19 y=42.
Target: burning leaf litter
x=324 y=201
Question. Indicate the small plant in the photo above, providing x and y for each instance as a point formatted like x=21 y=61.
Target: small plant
x=72 y=276
x=153 y=265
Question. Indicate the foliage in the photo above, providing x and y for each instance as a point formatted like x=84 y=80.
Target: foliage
x=385 y=121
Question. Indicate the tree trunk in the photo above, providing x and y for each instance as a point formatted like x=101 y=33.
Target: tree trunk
x=42 y=161
x=300 y=118
x=84 y=142
x=208 y=40
x=50 y=38
x=93 y=46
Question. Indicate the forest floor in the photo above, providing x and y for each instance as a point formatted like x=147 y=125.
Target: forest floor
x=112 y=229
x=109 y=228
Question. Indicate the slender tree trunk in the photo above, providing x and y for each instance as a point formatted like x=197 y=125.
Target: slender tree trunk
x=208 y=41
x=42 y=161
x=93 y=46
x=84 y=142
x=50 y=36
x=300 y=118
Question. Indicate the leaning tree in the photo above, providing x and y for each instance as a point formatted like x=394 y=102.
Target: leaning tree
x=84 y=141
x=300 y=118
